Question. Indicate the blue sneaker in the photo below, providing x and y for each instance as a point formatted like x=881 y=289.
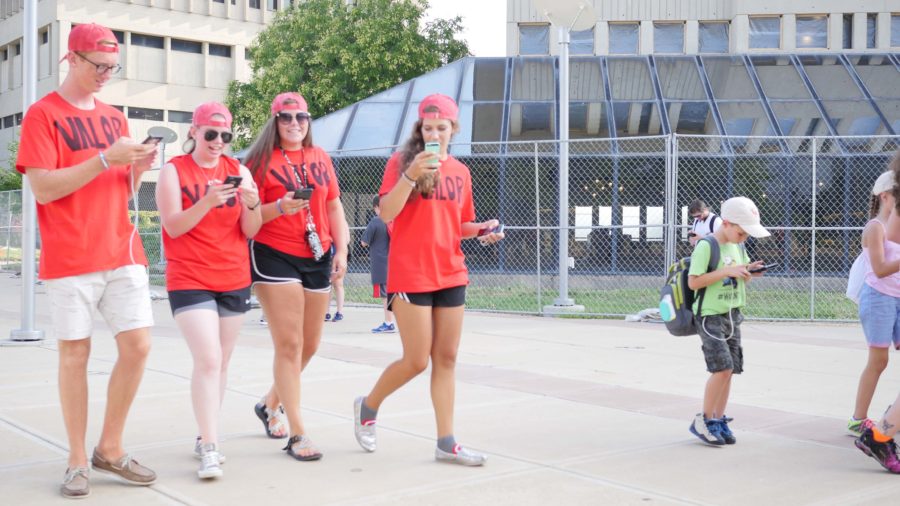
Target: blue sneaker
x=707 y=431
x=337 y=317
x=727 y=435
x=384 y=328
x=327 y=317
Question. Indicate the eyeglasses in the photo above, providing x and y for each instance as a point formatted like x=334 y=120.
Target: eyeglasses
x=100 y=68
x=210 y=135
x=285 y=118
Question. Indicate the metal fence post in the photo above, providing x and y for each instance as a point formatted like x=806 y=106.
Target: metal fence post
x=812 y=265
x=537 y=231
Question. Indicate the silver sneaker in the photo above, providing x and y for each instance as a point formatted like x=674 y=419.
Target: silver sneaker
x=365 y=434
x=460 y=455
x=209 y=463
x=198 y=451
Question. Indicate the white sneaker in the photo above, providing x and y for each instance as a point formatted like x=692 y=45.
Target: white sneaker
x=209 y=463
x=700 y=427
x=365 y=434
x=198 y=451
x=460 y=455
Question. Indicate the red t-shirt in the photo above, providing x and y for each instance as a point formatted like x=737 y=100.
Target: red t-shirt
x=426 y=252
x=88 y=230
x=287 y=233
x=213 y=255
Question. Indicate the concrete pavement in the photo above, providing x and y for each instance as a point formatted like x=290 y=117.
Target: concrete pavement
x=570 y=411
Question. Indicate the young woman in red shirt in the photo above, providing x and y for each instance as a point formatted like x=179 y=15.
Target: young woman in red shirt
x=429 y=198
x=209 y=206
x=291 y=263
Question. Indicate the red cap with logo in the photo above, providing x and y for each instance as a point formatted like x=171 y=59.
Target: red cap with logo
x=438 y=107
x=92 y=37
x=203 y=115
x=289 y=100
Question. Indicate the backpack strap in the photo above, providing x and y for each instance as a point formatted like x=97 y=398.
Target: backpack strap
x=712 y=224
x=714 y=253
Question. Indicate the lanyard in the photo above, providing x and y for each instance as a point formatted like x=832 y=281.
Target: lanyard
x=304 y=181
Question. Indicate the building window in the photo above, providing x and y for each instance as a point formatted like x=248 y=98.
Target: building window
x=120 y=36
x=668 y=37
x=713 y=38
x=219 y=1
x=9 y=121
x=272 y=5
x=848 y=31
x=45 y=37
x=180 y=117
x=220 y=50
x=581 y=42
x=534 y=39
x=121 y=108
x=18 y=49
x=895 y=30
x=187 y=46
x=139 y=39
x=142 y=113
x=18 y=119
x=812 y=31
x=623 y=38
x=254 y=4
x=5 y=54
x=871 y=22
x=765 y=32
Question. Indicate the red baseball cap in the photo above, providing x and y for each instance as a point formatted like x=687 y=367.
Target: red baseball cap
x=203 y=115
x=284 y=101
x=446 y=107
x=92 y=37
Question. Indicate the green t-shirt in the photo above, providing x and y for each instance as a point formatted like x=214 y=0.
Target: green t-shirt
x=723 y=296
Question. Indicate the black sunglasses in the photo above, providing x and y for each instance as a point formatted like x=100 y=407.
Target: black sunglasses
x=210 y=135
x=285 y=118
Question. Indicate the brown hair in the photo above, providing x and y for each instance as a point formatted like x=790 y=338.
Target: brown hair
x=895 y=167
x=874 y=206
x=414 y=145
x=260 y=153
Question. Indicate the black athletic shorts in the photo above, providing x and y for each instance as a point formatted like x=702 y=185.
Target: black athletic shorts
x=231 y=303
x=445 y=297
x=270 y=266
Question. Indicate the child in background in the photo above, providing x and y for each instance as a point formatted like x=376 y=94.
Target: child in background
x=719 y=324
x=879 y=299
x=378 y=240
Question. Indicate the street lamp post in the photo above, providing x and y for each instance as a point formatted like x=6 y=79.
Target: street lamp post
x=28 y=334
x=567 y=15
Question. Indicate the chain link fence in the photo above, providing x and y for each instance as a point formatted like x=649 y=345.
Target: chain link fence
x=627 y=218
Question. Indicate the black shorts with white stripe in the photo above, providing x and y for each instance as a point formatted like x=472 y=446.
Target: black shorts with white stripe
x=445 y=297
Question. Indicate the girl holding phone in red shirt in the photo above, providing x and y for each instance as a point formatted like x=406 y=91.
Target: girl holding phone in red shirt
x=428 y=195
x=209 y=206
x=292 y=264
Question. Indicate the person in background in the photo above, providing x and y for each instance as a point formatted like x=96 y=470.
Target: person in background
x=378 y=240
x=705 y=221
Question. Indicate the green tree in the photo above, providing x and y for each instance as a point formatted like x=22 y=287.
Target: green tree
x=10 y=179
x=336 y=55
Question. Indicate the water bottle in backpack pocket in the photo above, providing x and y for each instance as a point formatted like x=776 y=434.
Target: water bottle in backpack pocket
x=676 y=299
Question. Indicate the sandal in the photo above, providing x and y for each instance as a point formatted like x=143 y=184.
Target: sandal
x=305 y=444
x=278 y=429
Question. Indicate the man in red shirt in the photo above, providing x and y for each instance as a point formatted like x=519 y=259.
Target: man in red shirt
x=83 y=169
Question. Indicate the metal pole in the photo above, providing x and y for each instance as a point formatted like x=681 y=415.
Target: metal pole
x=29 y=210
x=812 y=265
x=563 y=299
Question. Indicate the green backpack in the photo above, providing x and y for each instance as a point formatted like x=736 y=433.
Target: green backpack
x=676 y=299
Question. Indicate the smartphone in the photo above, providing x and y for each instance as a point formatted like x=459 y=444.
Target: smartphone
x=763 y=268
x=233 y=180
x=303 y=193
x=152 y=139
x=495 y=230
x=434 y=147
